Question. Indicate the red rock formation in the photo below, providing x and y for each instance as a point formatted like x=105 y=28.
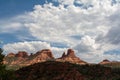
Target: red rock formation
x=22 y=57
x=22 y=54
x=42 y=55
x=6 y=59
x=11 y=55
x=47 y=52
x=105 y=61
x=70 y=53
x=16 y=59
x=63 y=55
x=70 y=57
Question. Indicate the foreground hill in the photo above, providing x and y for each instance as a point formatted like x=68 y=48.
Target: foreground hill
x=53 y=70
x=42 y=65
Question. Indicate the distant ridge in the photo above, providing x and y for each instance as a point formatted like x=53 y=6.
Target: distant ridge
x=113 y=64
x=23 y=59
x=105 y=61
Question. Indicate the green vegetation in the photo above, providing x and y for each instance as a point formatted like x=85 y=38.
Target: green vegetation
x=12 y=67
x=5 y=74
x=51 y=69
x=99 y=72
x=113 y=65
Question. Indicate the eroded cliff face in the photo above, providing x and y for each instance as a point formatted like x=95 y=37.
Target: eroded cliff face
x=40 y=56
x=15 y=59
x=71 y=57
x=11 y=55
x=105 y=61
x=22 y=54
x=22 y=58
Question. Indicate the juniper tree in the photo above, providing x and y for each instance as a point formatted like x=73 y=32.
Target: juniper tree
x=1 y=57
x=2 y=67
x=5 y=74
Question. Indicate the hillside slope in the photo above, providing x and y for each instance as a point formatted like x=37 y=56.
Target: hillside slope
x=53 y=70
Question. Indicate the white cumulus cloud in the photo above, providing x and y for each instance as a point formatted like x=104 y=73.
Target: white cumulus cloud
x=86 y=45
x=95 y=25
x=32 y=47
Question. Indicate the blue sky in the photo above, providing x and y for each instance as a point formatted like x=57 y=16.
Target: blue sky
x=11 y=8
x=86 y=26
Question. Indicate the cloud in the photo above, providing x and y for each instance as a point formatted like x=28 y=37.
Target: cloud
x=1 y=41
x=32 y=47
x=57 y=52
x=65 y=2
x=10 y=27
x=52 y=23
x=25 y=46
x=86 y=45
x=97 y=27
x=113 y=35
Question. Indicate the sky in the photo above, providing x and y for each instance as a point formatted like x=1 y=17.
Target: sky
x=90 y=27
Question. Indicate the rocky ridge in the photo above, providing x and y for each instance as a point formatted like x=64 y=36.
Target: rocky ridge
x=105 y=61
x=113 y=64
x=41 y=56
x=23 y=59
x=71 y=57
